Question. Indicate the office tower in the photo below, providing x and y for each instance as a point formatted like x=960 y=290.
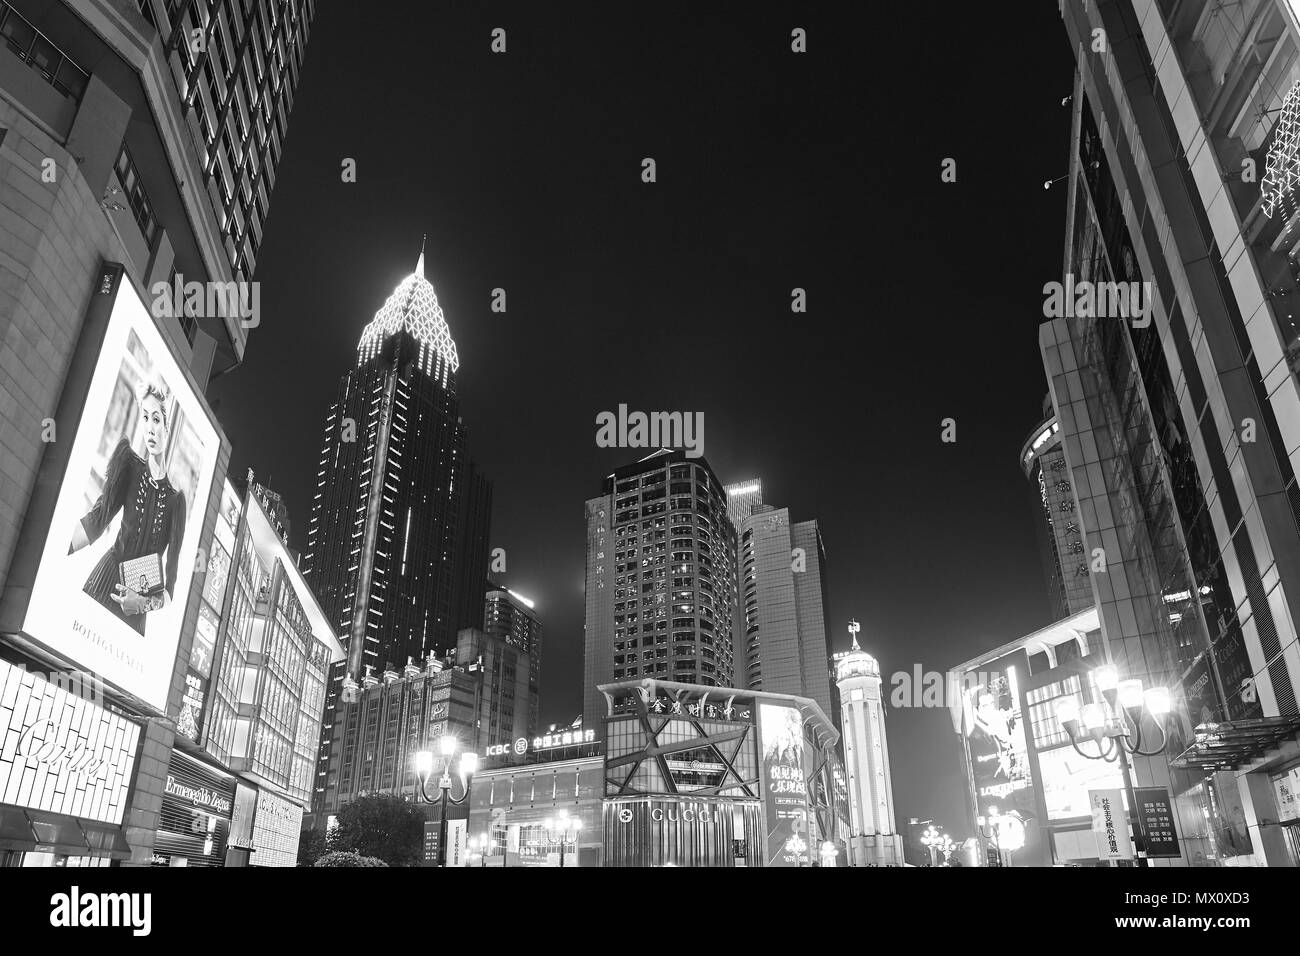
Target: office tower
x=128 y=159
x=874 y=839
x=1060 y=536
x=400 y=512
x=394 y=715
x=1181 y=423
x=742 y=497
x=661 y=578
x=508 y=702
x=782 y=601
x=509 y=617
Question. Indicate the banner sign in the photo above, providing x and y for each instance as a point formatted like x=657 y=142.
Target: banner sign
x=1110 y=825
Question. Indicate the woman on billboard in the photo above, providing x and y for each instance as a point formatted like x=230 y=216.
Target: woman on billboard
x=137 y=573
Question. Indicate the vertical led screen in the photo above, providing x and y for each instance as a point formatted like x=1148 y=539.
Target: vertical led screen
x=785 y=789
x=115 y=571
x=995 y=739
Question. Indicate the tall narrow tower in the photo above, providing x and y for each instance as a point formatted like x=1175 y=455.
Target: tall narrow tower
x=397 y=545
x=874 y=840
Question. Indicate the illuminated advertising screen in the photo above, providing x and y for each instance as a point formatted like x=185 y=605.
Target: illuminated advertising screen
x=114 y=574
x=785 y=787
x=61 y=753
x=995 y=740
x=1067 y=777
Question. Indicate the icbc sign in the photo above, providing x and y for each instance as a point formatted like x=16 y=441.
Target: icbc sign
x=518 y=748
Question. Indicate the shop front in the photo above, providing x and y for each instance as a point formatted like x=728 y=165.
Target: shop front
x=195 y=824
x=541 y=813
x=66 y=766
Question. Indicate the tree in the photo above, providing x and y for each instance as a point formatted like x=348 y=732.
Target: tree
x=348 y=858
x=311 y=846
x=380 y=825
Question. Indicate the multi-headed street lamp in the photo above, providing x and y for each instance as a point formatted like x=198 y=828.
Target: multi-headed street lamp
x=932 y=839
x=1005 y=830
x=563 y=829
x=1116 y=729
x=468 y=764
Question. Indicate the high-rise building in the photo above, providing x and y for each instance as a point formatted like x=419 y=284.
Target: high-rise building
x=1180 y=419
x=392 y=717
x=510 y=617
x=782 y=600
x=661 y=577
x=1060 y=536
x=508 y=703
x=874 y=839
x=138 y=146
x=399 y=525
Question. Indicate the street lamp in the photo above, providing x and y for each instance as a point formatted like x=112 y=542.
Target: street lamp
x=480 y=846
x=563 y=830
x=931 y=839
x=828 y=853
x=946 y=846
x=468 y=764
x=1118 y=722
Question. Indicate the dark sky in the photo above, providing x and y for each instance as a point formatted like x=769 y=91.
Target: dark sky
x=775 y=170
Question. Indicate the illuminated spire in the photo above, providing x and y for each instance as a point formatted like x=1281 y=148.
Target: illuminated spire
x=413 y=306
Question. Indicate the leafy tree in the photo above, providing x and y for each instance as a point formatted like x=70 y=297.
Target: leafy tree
x=348 y=858
x=311 y=846
x=380 y=825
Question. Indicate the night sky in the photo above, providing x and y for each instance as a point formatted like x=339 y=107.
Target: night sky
x=775 y=171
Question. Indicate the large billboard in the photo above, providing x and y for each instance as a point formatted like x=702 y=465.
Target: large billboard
x=1067 y=777
x=995 y=739
x=785 y=787
x=123 y=544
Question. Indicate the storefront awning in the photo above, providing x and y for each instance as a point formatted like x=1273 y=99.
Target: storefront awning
x=26 y=829
x=15 y=831
x=1228 y=745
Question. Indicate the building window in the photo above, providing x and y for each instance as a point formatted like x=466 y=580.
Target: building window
x=34 y=48
x=133 y=189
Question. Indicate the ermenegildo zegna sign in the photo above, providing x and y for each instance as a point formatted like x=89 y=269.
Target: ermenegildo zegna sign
x=62 y=753
x=189 y=783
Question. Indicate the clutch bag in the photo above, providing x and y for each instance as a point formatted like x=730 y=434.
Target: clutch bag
x=143 y=575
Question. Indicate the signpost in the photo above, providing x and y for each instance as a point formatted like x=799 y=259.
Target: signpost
x=1157 y=817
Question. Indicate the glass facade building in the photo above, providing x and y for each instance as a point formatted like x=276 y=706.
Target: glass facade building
x=1180 y=425
x=1060 y=537
x=700 y=775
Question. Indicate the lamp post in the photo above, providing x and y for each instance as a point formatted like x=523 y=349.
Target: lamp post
x=1005 y=830
x=468 y=764
x=946 y=846
x=1117 y=722
x=931 y=839
x=479 y=846
x=563 y=829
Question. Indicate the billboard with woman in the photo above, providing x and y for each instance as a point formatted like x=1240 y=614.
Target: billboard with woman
x=123 y=544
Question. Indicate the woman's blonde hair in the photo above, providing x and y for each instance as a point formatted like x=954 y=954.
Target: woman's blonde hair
x=156 y=390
